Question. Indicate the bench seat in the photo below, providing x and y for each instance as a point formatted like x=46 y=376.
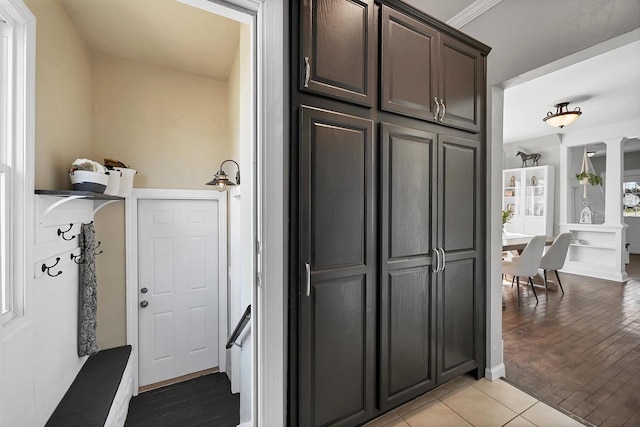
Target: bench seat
x=100 y=393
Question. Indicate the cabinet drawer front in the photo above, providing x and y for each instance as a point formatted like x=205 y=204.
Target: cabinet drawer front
x=338 y=49
x=409 y=66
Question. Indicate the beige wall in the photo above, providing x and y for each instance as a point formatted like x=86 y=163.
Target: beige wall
x=63 y=95
x=170 y=126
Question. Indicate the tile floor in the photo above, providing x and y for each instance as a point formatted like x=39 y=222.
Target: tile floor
x=467 y=402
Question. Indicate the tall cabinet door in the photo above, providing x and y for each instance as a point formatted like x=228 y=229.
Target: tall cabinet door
x=409 y=66
x=337 y=284
x=407 y=295
x=460 y=330
x=461 y=84
x=338 y=49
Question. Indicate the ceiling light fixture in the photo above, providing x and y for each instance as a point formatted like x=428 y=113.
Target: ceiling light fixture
x=591 y=153
x=562 y=116
x=222 y=181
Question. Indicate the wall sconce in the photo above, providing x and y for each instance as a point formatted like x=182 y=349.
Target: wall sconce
x=221 y=180
x=562 y=116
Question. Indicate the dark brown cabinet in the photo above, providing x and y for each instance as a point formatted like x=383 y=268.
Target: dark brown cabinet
x=387 y=209
x=460 y=290
x=338 y=49
x=407 y=285
x=429 y=75
x=337 y=320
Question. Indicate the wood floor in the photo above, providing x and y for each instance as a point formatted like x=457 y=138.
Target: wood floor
x=579 y=351
x=204 y=401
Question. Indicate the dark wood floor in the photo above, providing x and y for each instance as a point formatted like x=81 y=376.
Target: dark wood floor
x=580 y=351
x=203 y=401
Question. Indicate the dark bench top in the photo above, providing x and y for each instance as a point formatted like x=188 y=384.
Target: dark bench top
x=88 y=400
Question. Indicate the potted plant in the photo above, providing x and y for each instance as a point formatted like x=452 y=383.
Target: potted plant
x=506 y=216
x=589 y=178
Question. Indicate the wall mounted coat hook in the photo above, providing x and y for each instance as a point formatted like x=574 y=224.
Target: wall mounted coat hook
x=76 y=258
x=47 y=269
x=62 y=233
x=97 y=246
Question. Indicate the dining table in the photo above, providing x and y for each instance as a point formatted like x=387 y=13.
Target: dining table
x=517 y=242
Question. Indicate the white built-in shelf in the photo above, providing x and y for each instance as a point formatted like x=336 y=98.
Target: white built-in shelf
x=593 y=246
x=99 y=200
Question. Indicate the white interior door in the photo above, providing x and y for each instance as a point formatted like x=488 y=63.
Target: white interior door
x=178 y=274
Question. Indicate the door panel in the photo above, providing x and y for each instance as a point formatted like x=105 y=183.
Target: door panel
x=409 y=65
x=461 y=77
x=406 y=298
x=339 y=42
x=460 y=291
x=178 y=256
x=337 y=317
x=457 y=316
x=459 y=178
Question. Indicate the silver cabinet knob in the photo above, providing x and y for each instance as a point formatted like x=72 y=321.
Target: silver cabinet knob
x=144 y=290
x=144 y=304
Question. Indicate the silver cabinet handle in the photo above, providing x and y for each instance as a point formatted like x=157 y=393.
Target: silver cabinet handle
x=444 y=259
x=307 y=71
x=308 y=271
x=437 y=113
x=437 y=269
x=444 y=109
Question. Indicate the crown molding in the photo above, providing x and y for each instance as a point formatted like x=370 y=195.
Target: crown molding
x=471 y=12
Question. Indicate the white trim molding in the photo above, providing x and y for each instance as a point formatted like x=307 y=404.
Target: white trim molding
x=131 y=251
x=495 y=373
x=471 y=12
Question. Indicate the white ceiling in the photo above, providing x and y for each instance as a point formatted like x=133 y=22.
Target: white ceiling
x=164 y=33
x=605 y=87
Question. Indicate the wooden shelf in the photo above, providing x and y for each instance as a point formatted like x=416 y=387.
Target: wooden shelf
x=78 y=194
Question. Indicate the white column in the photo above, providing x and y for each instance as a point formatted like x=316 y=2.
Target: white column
x=614 y=177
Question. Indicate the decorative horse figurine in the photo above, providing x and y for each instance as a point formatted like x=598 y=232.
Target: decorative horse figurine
x=533 y=157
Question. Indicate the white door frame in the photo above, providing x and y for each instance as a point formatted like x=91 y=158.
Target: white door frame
x=131 y=226
x=268 y=20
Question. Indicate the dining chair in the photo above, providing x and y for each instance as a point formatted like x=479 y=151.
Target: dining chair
x=527 y=264
x=553 y=259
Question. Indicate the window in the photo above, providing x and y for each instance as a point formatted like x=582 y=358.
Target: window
x=7 y=295
x=631 y=198
x=17 y=129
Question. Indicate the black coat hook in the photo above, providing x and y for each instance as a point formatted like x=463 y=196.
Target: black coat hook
x=97 y=246
x=62 y=233
x=76 y=258
x=46 y=268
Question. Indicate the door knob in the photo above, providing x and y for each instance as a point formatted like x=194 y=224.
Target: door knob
x=144 y=303
x=144 y=290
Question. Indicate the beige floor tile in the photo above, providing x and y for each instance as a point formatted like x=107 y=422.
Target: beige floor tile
x=384 y=419
x=453 y=385
x=397 y=423
x=478 y=408
x=415 y=403
x=545 y=416
x=519 y=422
x=434 y=414
x=514 y=399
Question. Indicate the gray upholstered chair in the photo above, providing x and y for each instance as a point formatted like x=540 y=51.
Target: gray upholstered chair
x=526 y=265
x=553 y=259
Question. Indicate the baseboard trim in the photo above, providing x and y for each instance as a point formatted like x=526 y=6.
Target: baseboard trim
x=495 y=373
x=171 y=381
x=247 y=424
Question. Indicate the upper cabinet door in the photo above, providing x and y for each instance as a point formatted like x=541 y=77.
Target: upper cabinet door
x=409 y=66
x=338 y=49
x=461 y=84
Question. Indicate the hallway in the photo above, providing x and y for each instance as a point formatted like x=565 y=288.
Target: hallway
x=579 y=351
